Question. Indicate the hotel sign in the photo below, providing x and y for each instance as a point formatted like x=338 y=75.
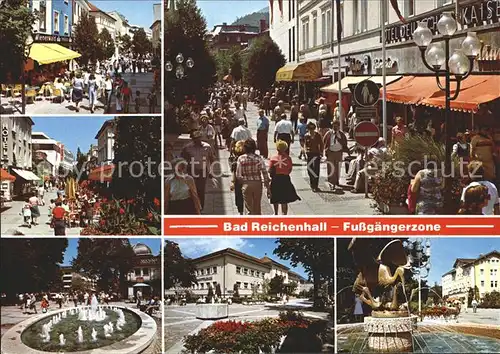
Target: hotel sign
x=49 y=38
x=5 y=143
x=472 y=15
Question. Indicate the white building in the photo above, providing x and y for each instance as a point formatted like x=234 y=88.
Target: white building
x=103 y=20
x=80 y=8
x=458 y=281
x=51 y=148
x=284 y=29
x=230 y=267
x=146 y=274
x=43 y=24
x=121 y=29
x=105 y=142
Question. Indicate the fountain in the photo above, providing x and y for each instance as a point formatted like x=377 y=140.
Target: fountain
x=94 y=335
x=390 y=327
x=107 y=333
x=45 y=333
x=110 y=326
x=62 y=340
x=80 y=334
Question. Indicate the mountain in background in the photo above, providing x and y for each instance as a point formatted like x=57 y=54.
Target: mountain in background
x=254 y=18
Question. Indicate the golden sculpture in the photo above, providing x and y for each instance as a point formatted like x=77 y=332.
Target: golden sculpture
x=380 y=277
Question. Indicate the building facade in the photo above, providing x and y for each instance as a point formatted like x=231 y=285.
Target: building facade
x=103 y=20
x=146 y=274
x=16 y=156
x=156 y=29
x=105 y=143
x=50 y=148
x=121 y=29
x=283 y=29
x=75 y=281
x=55 y=21
x=481 y=272
x=229 y=268
x=225 y=37
x=80 y=8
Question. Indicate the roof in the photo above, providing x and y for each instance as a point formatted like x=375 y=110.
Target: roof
x=104 y=125
x=471 y=261
x=463 y=261
x=268 y=260
x=157 y=22
x=293 y=274
x=93 y=8
x=264 y=261
x=449 y=272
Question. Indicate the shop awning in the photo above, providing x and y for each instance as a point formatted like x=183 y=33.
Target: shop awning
x=26 y=175
x=102 y=173
x=389 y=79
x=344 y=82
x=6 y=176
x=308 y=71
x=46 y=53
x=411 y=89
x=474 y=91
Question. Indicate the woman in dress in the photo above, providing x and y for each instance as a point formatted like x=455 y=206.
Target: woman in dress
x=77 y=90
x=282 y=190
x=428 y=186
x=181 y=197
x=35 y=211
x=92 y=92
x=236 y=185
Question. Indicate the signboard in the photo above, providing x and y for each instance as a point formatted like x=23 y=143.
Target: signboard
x=5 y=143
x=49 y=38
x=366 y=93
x=366 y=113
x=476 y=14
x=366 y=134
x=149 y=261
x=204 y=279
x=139 y=279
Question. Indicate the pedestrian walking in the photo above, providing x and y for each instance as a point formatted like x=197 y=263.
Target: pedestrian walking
x=302 y=131
x=137 y=101
x=77 y=90
x=251 y=172
x=262 y=134
x=58 y=222
x=284 y=131
x=92 y=92
x=108 y=89
x=294 y=114
x=474 y=305
x=236 y=185
x=241 y=132
x=282 y=190
x=335 y=144
x=35 y=210
x=126 y=94
x=26 y=213
x=313 y=145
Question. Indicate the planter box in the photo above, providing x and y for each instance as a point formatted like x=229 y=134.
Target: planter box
x=212 y=311
x=393 y=209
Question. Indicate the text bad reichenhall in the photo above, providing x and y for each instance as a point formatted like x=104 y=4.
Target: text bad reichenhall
x=256 y=226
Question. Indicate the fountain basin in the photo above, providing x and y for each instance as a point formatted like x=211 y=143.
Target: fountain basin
x=212 y=311
x=390 y=334
x=25 y=336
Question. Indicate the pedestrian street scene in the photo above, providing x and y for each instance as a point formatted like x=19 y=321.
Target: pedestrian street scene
x=429 y=295
x=266 y=116
x=99 y=178
x=81 y=295
x=234 y=294
x=81 y=57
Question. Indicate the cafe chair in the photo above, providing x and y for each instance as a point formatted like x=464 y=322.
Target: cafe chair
x=30 y=96
x=57 y=93
x=5 y=90
x=39 y=95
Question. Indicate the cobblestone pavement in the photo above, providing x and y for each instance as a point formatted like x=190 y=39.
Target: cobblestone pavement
x=12 y=222
x=142 y=82
x=482 y=316
x=12 y=315
x=220 y=200
x=180 y=321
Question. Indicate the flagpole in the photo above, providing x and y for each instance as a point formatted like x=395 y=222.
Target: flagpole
x=384 y=62
x=339 y=66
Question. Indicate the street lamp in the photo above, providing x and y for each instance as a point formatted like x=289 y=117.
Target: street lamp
x=459 y=65
x=179 y=69
x=420 y=255
x=27 y=48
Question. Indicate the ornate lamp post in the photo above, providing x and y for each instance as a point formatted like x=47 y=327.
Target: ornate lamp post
x=459 y=65
x=420 y=255
x=27 y=47
x=179 y=69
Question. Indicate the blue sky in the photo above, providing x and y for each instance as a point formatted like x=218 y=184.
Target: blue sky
x=194 y=247
x=72 y=250
x=137 y=12
x=73 y=132
x=445 y=250
x=218 y=11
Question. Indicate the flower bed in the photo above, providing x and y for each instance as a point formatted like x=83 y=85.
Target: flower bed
x=440 y=312
x=245 y=337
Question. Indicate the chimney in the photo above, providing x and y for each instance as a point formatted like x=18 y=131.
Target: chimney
x=263 y=25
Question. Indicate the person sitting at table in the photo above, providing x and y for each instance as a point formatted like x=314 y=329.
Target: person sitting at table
x=59 y=86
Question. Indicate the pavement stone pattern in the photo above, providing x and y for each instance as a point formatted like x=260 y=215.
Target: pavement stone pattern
x=220 y=200
x=12 y=223
x=142 y=82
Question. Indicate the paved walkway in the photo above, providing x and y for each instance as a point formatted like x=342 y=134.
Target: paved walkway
x=482 y=316
x=142 y=82
x=220 y=200
x=12 y=222
x=180 y=321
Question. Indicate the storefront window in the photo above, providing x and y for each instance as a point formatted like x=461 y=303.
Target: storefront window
x=145 y=271
x=238 y=270
x=138 y=272
x=42 y=17
x=56 y=22
x=66 y=24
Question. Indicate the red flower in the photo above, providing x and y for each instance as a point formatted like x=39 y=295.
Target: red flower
x=150 y=216
x=122 y=211
x=104 y=200
x=156 y=201
x=131 y=201
x=102 y=222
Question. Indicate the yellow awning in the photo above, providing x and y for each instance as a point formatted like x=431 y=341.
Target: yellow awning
x=46 y=53
x=348 y=80
x=307 y=71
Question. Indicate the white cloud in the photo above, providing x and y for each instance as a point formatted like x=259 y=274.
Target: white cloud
x=196 y=247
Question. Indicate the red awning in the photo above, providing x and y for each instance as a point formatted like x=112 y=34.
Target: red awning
x=102 y=173
x=474 y=91
x=6 y=176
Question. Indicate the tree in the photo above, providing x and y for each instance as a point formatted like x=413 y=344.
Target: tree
x=81 y=160
x=78 y=284
x=218 y=290
x=16 y=22
x=236 y=291
x=210 y=294
x=291 y=287
x=125 y=43
x=315 y=255
x=277 y=285
x=137 y=159
x=436 y=293
x=86 y=40
x=178 y=271
x=30 y=265
x=140 y=43
x=108 y=260
x=184 y=32
x=491 y=300
x=107 y=45
x=473 y=293
x=223 y=64
x=236 y=66
x=264 y=60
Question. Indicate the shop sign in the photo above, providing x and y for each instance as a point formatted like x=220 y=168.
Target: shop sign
x=472 y=15
x=49 y=38
x=139 y=280
x=330 y=66
x=205 y=279
x=5 y=143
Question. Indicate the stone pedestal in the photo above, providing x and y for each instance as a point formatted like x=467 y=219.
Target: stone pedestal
x=393 y=335
x=212 y=311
